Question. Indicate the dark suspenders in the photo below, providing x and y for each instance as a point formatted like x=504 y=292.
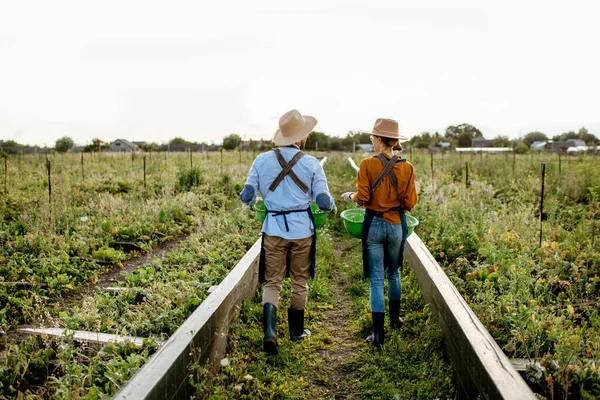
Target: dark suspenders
x=388 y=166
x=287 y=170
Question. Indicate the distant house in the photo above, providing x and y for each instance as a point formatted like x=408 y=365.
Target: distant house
x=483 y=149
x=365 y=147
x=245 y=145
x=538 y=145
x=123 y=146
x=562 y=146
x=480 y=142
x=77 y=149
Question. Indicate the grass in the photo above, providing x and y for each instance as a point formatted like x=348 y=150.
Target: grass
x=335 y=362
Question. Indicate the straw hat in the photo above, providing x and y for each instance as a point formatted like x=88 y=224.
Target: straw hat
x=387 y=128
x=293 y=127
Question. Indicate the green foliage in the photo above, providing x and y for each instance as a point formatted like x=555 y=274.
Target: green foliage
x=454 y=132
x=179 y=141
x=501 y=141
x=534 y=137
x=64 y=144
x=97 y=145
x=465 y=139
x=317 y=140
x=189 y=178
x=232 y=141
x=583 y=134
x=521 y=148
x=108 y=254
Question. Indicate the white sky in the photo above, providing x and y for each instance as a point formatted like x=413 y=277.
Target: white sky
x=144 y=70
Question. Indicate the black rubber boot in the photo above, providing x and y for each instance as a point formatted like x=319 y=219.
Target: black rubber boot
x=270 y=328
x=376 y=338
x=395 y=320
x=296 y=323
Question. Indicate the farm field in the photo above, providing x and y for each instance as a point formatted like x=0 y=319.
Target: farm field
x=66 y=250
x=538 y=301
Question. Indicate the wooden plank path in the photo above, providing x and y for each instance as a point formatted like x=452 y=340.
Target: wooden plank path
x=481 y=367
x=201 y=338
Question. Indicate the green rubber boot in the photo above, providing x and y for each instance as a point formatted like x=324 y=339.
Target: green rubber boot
x=376 y=338
x=296 y=324
x=395 y=320
x=270 y=328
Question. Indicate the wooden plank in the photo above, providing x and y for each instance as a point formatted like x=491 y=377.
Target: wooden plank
x=353 y=164
x=521 y=364
x=211 y=289
x=481 y=366
x=202 y=338
x=118 y=289
x=83 y=336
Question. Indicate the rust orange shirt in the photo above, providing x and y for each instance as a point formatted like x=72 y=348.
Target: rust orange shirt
x=386 y=196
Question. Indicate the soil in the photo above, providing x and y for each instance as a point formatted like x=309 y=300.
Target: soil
x=107 y=279
x=338 y=381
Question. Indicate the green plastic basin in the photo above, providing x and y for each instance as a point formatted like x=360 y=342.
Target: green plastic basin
x=320 y=216
x=353 y=221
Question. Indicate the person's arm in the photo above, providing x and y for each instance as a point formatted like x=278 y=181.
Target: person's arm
x=320 y=190
x=248 y=195
x=363 y=187
x=409 y=197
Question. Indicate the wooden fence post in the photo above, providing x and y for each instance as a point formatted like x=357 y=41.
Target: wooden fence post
x=542 y=200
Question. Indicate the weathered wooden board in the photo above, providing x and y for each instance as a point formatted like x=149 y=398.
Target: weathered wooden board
x=481 y=366
x=83 y=336
x=201 y=338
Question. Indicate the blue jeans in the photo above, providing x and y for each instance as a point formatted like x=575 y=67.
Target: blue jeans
x=384 y=237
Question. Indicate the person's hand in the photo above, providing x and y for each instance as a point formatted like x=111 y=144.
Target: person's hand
x=347 y=196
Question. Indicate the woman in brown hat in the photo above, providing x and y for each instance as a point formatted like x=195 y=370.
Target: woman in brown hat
x=385 y=186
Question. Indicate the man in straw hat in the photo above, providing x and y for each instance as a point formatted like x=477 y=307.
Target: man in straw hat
x=287 y=179
x=386 y=188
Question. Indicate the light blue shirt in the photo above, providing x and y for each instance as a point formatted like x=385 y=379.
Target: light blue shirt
x=287 y=196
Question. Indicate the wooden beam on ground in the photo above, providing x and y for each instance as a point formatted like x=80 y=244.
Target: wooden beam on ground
x=481 y=366
x=83 y=336
x=521 y=364
x=202 y=338
x=117 y=289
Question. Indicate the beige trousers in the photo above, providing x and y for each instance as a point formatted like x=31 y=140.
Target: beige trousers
x=276 y=251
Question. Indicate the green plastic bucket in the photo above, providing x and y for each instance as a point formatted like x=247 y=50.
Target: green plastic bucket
x=320 y=216
x=353 y=221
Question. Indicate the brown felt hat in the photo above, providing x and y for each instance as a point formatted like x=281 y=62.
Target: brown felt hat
x=387 y=128
x=293 y=127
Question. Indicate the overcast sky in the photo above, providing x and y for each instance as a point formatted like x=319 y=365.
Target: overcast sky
x=200 y=70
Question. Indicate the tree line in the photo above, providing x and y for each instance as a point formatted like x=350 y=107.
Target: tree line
x=461 y=135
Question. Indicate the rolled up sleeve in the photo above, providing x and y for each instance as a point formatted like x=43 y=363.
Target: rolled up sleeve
x=251 y=187
x=320 y=190
x=409 y=197
x=363 y=188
